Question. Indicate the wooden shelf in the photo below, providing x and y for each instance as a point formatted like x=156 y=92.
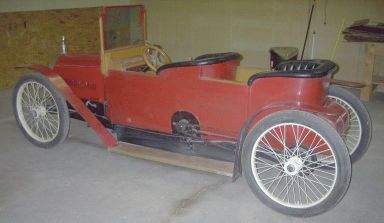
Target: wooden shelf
x=345 y=83
x=377 y=79
x=371 y=51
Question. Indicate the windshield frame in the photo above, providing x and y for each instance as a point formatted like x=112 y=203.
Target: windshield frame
x=142 y=24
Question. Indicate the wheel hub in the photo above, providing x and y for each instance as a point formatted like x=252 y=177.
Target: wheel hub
x=33 y=113
x=41 y=110
x=38 y=112
x=293 y=165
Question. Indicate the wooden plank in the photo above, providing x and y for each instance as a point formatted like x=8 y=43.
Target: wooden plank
x=368 y=71
x=345 y=83
x=377 y=79
x=378 y=82
x=176 y=159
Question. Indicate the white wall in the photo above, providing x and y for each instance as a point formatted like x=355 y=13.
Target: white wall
x=187 y=28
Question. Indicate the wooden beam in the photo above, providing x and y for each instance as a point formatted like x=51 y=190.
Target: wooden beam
x=369 y=61
x=345 y=83
x=176 y=159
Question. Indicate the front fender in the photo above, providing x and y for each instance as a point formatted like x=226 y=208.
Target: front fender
x=58 y=82
x=43 y=70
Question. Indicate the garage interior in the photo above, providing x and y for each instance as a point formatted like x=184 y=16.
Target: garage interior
x=80 y=181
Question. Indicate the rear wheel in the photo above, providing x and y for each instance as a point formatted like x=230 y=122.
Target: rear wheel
x=40 y=110
x=296 y=163
x=358 y=136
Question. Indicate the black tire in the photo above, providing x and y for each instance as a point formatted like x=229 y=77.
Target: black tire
x=297 y=167
x=40 y=110
x=357 y=147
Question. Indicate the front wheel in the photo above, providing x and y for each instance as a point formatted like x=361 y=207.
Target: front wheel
x=40 y=111
x=358 y=136
x=296 y=163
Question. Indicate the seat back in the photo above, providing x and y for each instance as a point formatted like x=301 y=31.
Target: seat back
x=219 y=65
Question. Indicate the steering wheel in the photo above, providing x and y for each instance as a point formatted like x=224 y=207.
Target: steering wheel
x=154 y=56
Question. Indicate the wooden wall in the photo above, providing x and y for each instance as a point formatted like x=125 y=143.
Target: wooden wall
x=35 y=38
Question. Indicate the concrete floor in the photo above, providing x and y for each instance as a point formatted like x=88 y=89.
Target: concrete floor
x=80 y=181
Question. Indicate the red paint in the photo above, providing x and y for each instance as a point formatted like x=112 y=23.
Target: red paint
x=224 y=71
x=220 y=104
x=149 y=102
x=82 y=72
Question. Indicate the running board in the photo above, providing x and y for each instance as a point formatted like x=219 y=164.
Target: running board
x=176 y=159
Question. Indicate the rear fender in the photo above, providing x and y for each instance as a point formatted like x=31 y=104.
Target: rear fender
x=330 y=113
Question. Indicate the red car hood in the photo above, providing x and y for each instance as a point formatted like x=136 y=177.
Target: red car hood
x=83 y=60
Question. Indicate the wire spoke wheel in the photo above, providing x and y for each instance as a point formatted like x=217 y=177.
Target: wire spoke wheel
x=291 y=163
x=38 y=111
x=353 y=134
x=296 y=178
x=358 y=135
x=41 y=111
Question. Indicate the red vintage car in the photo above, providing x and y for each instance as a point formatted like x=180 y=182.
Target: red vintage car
x=288 y=131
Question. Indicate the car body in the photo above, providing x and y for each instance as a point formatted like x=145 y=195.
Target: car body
x=197 y=108
x=207 y=89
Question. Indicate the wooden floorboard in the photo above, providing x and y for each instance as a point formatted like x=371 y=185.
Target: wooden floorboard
x=177 y=159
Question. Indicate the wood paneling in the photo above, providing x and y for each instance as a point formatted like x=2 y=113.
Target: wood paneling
x=35 y=38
